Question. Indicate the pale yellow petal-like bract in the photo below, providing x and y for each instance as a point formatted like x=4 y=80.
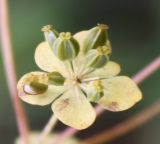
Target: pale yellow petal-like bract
x=120 y=93
x=80 y=36
x=109 y=70
x=47 y=61
x=79 y=60
x=74 y=110
x=40 y=99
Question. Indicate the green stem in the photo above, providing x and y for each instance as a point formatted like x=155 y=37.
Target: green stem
x=72 y=67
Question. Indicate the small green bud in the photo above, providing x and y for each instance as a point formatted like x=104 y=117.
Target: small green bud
x=96 y=59
x=66 y=47
x=50 y=34
x=96 y=37
x=35 y=88
x=95 y=92
x=56 y=78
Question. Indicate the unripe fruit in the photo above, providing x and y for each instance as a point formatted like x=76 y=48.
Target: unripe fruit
x=50 y=34
x=95 y=60
x=66 y=47
x=56 y=78
x=95 y=92
x=96 y=37
x=35 y=88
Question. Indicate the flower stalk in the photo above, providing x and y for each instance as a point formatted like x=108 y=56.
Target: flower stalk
x=10 y=71
x=48 y=128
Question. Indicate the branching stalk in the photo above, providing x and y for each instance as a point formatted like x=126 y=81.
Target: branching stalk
x=48 y=128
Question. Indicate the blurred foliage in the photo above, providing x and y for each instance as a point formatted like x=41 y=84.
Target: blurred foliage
x=134 y=33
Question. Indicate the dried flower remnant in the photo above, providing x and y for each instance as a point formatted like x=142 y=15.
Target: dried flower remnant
x=78 y=71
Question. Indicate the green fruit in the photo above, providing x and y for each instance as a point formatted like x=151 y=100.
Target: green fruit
x=35 y=88
x=66 y=47
x=94 y=96
x=96 y=60
x=95 y=91
x=56 y=78
x=50 y=34
x=96 y=37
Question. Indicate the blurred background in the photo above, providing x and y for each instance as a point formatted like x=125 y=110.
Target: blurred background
x=134 y=33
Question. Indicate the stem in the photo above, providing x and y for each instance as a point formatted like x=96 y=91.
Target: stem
x=72 y=66
x=10 y=70
x=64 y=135
x=48 y=128
x=91 y=79
x=87 y=71
x=147 y=71
x=138 y=78
x=81 y=69
x=126 y=126
x=69 y=68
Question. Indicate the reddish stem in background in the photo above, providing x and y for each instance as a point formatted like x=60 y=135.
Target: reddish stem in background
x=10 y=70
x=138 y=78
x=147 y=71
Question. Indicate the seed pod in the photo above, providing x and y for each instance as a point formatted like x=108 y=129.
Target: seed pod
x=50 y=34
x=35 y=88
x=95 y=91
x=95 y=59
x=97 y=36
x=65 y=47
x=56 y=78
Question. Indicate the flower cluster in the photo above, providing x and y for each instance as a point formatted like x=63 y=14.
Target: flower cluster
x=76 y=71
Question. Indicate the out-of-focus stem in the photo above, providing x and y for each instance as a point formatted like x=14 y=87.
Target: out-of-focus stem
x=48 y=128
x=10 y=70
x=126 y=126
x=147 y=71
x=138 y=78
